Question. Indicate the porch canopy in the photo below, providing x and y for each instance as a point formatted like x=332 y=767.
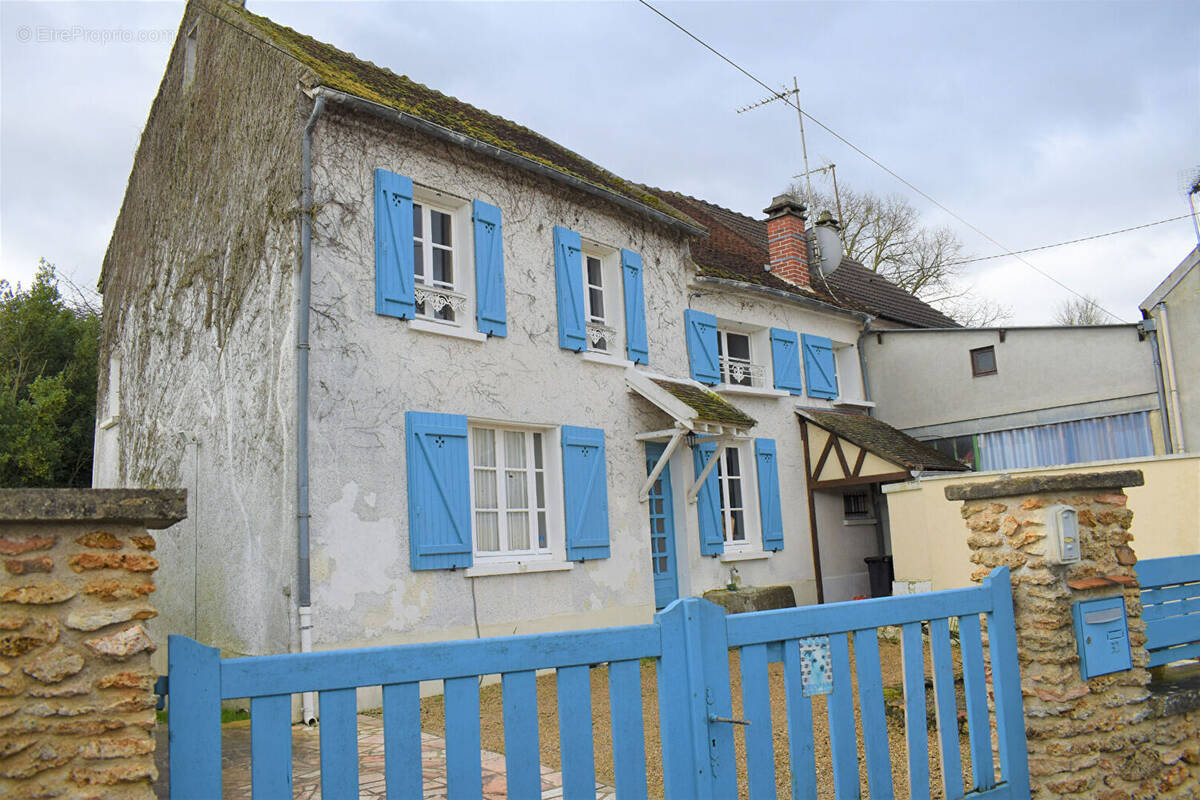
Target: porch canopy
x=844 y=449
x=697 y=411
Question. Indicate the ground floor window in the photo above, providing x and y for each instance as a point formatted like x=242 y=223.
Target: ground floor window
x=733 y=496
x=508 y=494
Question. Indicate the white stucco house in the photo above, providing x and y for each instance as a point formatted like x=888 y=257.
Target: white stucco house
x=427 y=374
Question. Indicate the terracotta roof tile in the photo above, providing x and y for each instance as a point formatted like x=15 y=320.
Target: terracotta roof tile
x=736 y=249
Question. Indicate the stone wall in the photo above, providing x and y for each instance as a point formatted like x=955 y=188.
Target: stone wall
x=76 y=687
x=1106 y=737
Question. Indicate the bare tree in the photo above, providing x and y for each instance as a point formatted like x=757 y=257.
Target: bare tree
x=1084 y=310
x=886 y=235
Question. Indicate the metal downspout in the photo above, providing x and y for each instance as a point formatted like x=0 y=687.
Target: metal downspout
x=1150 y=328
x=862 y=365
x=308 y=706
x=1172 y=384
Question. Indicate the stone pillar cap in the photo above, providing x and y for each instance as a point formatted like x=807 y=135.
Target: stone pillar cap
x=153 y=508
x=1038 y=484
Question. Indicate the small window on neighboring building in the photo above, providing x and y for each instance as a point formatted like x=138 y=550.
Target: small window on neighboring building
x=856 y=506
x=983 y=361
x=189 y=57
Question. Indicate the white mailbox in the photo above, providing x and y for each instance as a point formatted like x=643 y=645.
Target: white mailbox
x=1063 y=533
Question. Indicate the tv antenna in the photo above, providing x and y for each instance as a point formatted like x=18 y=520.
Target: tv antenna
x=837 y=199
x=784 y=94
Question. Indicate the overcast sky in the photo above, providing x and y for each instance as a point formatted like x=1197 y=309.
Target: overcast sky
x=1037 y=122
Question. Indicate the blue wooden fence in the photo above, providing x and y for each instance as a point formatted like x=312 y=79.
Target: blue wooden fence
x=1171 y=607
x=691 y=640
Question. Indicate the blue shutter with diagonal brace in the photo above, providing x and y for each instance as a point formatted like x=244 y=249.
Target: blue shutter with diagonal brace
x=702 y=346
x=785 y=360
x=393 y=245
x=820 y=366
x=568 y=273
x=708 y=502
x=439 y=493
x=769 y=507
x=585 y=493
x=491 y=316
x=637 y=349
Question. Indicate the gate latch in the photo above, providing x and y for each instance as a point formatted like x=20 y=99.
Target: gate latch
x=713 y=718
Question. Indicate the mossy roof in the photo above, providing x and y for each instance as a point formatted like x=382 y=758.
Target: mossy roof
x=346 y=72
x=709 y=406
x=885 y=441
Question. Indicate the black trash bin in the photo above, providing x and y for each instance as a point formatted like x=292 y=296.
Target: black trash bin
x=881 y=573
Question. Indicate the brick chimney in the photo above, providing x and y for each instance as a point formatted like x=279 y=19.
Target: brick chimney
x=786 y=240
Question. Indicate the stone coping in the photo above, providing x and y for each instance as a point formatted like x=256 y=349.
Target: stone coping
x=154 y=508
x=1037 y=484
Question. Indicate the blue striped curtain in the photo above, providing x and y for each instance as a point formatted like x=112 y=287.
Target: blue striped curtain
x=1120 y=436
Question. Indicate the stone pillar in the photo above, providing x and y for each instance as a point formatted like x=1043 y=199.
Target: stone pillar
x=76 y=687
x=1089 y=739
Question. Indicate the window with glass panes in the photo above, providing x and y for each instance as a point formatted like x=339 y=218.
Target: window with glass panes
x=433 y=255
x=593 y=279
x=733 y=351
x=508 y=482
x=733 y=508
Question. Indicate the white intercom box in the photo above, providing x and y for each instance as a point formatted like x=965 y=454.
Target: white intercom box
x=1063 y=533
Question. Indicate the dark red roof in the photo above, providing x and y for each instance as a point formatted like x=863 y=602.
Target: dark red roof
x=736 y=249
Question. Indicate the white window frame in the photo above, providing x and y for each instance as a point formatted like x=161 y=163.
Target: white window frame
x=462 y=247
x=555 y=550
x=613 y=299
x=724 y=359
x=748 y=477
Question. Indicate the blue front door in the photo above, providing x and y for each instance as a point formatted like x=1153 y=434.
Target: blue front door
x=662 y=530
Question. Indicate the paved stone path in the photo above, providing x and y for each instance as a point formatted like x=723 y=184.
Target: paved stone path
x=306 y=761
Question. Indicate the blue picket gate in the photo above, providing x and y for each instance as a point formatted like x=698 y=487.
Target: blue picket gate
x=1171 y=607
x=691 y=640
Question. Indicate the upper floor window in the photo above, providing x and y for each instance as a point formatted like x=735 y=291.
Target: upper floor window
x=735 y=353
x=599 y=332
x=983 y=361
x=189 y=56
x=600 y=297
x=438 y=292
x=438 y=259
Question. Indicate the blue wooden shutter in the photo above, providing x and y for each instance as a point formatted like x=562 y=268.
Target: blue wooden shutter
x=702 y=346
x=491 y=316
x=785 y=360
x=708 y=502
x=585 y=493
x=439 y=490
x=568 y=272
x=637 y=349
x=393 y=245
x=820 y=367
x=769 y=507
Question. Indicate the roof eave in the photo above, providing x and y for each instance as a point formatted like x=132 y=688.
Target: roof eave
x=862 y=316
x=390 y=114
x=1171 y=281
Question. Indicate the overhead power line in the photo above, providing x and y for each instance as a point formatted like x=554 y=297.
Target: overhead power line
x=872 y=159
x=1072 y=241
